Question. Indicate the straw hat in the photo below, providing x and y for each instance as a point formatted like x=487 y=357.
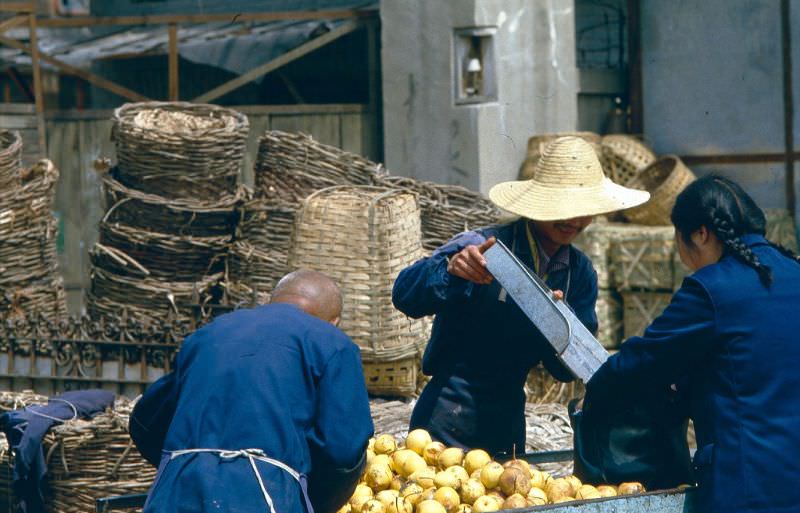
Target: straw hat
x=568 y=182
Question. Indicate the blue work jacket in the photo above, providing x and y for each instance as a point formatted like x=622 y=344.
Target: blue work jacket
x=271 y=378
x=482 y=345
x=735 y=346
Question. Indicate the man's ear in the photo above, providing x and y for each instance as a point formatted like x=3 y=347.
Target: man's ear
x=335 y=320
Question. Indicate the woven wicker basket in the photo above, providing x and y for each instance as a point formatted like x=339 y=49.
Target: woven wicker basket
x=445 y=209
x=363 y=237
x=537 y=143
x=10 y=159
x=644 y=259
x=609 y=317
x=541 y=387
x=781 y=228
x=641 y=308
x=680 y=270
x=180 y=150
x=185 y=217
x=664 y=179
x=596 y=242
x=624 y=157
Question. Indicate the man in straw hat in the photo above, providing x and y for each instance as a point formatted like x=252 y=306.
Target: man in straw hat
x=482 y=345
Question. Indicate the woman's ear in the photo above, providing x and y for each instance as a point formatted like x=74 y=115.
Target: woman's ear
x=701 y=236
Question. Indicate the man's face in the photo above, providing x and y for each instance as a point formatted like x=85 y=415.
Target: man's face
x=562 y=232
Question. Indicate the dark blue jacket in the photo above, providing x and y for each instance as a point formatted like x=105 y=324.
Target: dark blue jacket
x=272 y=378
x=736 y=346
x=482 y=346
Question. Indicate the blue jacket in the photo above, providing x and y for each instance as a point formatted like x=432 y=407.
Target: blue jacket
x=734 y=345
x=482 y=346
x=272 y=378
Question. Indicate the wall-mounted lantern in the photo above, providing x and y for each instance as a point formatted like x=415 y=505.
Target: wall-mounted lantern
x=474 y=69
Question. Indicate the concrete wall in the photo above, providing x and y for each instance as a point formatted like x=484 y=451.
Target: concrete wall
x=712 y=72
x=428 y=136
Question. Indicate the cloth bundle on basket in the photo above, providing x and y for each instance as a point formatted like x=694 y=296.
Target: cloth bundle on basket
x=29 y=278
x=363 y=237
x=172 y=210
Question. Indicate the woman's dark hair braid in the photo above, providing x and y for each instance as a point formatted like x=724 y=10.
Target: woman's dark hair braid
x=724 y=230
x=723 y=207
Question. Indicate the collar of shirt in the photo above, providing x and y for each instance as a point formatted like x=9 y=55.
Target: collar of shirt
x=547 y=264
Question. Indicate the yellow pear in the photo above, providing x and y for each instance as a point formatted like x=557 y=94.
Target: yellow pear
x=357 y=502
x=563 y=499
x=400 y=505
x=607 y=491
x=370 y=456
x=587 y=491
x=490 y=474
x=428 y=493
x=630 y=488
x=471 y=489
x=476 y=474
x=397 y=483
x=449 y=457
x=537 y=496
x=430 y=506
x=485 y=504
x=515 y=501
x=464 y=508
x=476 y=459
x=373 y=506
x=387 y=496
x=371 y=443
x=379 y=477
x=498 y=497
x=432 y=451
x=424 y=477
x=347 y=508
x=417 y=440
x=537 y=478
x=558 y=488
x=514 y=480
x=362 y=489
x=458 y=471
x=445 y=478
x=575 y=483
x=399 y=457
x=520 y=464
x=412 y=492
x=385 y=444
x=412 y=463
x=382 y=459
x=448 y=498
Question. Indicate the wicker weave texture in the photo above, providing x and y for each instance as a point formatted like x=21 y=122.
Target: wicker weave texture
x=542 y=388
x=781 y=228
x=641 y=308
x=363 y=237
x=178 y=149
x=609 y=317
x=664 y=179
x=624 y=157
x=10 y=159
x=644 y=259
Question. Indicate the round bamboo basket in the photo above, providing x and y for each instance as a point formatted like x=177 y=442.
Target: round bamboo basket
x=363 y=237
x=179 y=149
x=10 y=159
x=624 y=157
x=664 y=179
x=537 y=143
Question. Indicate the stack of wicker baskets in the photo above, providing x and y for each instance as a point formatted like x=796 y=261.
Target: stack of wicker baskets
x=86 y=459
x=29 y=277
x=172 y=205
x=289 y=167
x=363 y=237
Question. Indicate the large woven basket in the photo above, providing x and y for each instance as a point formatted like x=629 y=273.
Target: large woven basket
x=180 y=150
x=641 y=308
x=192 y=217
x=363 y=237
x=644 y=259
x=664 y=179
x=445 y=209
x=537 y=143
x=609 y=317
x=10 y=159
x=624 y=157
x=541 y=387
x=290 y=166
x=781 y=228
x=596 y=240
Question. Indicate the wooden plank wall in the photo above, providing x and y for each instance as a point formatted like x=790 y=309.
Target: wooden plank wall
x=76 y=139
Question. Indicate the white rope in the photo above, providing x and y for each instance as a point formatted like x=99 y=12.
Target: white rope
x=252 y=455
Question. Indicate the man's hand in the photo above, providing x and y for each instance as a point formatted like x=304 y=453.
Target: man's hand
x=558 y=295
x=470 y=264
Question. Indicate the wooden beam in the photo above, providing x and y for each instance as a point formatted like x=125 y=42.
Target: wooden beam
x=19 y=7
x=277 y=62
x=12 y=22
x=38 y=91
x=72 y=70
x=739 y=158
x=173 y=62
x=165 y=19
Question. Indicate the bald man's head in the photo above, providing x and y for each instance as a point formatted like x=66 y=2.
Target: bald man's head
x=313 y=292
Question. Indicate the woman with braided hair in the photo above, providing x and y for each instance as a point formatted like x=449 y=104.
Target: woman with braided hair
x=730 y=342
